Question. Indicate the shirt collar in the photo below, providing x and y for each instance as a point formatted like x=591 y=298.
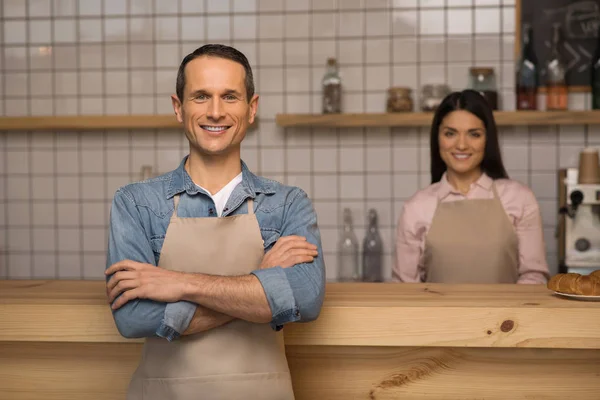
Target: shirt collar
x=446 y=188
x=180 y=181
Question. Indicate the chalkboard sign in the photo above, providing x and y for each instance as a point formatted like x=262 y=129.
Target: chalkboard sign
x=578 y=19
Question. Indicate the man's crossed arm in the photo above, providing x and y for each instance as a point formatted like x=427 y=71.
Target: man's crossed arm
x=219 y=299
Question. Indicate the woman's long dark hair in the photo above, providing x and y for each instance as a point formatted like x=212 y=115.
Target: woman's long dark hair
x=476 y=104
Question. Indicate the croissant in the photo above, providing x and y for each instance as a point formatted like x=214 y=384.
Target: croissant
x=572 y=283
x=563 y=283
x=587 y=285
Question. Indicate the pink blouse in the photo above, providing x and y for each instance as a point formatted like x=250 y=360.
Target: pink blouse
x=519 y=203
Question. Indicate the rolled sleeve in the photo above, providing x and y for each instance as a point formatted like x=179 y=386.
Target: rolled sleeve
x=176 y=320
x=128 y=241
x=296 y=294
x=279 y=295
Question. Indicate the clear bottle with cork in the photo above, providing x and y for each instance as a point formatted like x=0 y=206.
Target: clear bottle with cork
x=527 y=73
x=332 y=88
x=372 y=251
x=556 y=85
x=348 y=266
x=146 y=172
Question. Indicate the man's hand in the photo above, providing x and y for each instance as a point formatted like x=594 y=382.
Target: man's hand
x=143 y=281
x=289 y=251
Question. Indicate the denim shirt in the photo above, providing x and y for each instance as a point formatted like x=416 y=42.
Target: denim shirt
x=139 y=217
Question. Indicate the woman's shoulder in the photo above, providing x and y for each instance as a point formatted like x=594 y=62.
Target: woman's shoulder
x=514 y=191
x=418 y=210
x=424 y=197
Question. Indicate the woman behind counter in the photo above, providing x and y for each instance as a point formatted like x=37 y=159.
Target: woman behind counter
x=472 y=224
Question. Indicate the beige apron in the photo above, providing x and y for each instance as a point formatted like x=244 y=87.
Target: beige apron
x=238 y=360
x=471 y=241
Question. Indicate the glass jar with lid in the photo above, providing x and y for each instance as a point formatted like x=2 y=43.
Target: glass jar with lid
x=432 y=96
x=399 y=99
x=483 y=80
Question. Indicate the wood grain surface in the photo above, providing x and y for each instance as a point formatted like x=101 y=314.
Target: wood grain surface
x=101 y=371
x=378 y=373
x=353 y=315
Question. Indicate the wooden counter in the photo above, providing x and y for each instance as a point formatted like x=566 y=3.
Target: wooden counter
x=372 y=341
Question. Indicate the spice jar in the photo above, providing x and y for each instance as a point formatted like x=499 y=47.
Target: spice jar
x=432 y=96
x=399 y=99
x=484 y=81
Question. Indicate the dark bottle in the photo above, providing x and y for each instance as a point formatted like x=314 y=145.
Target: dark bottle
x=595 y=81
x=527 y=73
x=372 y=251
x=556 y=85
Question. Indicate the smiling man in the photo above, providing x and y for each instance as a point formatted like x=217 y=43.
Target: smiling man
x=209 y=261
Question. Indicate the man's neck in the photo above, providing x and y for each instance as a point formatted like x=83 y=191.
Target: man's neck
x=463 y=182
x=213 y=172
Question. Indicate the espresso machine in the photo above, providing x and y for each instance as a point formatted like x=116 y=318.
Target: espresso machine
x=581 y=215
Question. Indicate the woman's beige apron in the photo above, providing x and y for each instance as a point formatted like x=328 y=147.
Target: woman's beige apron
x=471 y=241
x=239 y=360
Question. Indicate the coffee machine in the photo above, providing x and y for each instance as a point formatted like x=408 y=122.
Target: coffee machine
x=581 y=225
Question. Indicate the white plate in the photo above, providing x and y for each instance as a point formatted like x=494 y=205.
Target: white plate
x=579 y=296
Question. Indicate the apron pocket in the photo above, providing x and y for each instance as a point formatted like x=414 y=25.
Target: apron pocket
x=267 y=386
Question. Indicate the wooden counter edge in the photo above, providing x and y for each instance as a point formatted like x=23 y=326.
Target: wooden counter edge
x=345 y=326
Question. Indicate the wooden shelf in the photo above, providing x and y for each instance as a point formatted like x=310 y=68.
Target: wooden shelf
x=423 y=119
x=89 y=123
x=416 y=119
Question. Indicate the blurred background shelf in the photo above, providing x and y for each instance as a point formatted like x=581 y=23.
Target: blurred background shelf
x=88 y=122
x=95 y=123
x=423 y=119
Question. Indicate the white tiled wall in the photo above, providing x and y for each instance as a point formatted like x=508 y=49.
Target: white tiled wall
x=69 y=57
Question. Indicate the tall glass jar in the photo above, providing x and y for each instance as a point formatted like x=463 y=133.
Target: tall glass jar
x=432 y=96
x=484 y=81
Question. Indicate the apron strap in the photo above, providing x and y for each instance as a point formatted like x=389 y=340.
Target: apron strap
x=495 y=191
x=250 y=207
x=175 y=203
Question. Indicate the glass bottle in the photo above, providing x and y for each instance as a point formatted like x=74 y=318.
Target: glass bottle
x=348 y=266
x=332 y=88
x=372 y=251
x=595 y=81
x=146 y=172
x=556 y=86
x=527 y=73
